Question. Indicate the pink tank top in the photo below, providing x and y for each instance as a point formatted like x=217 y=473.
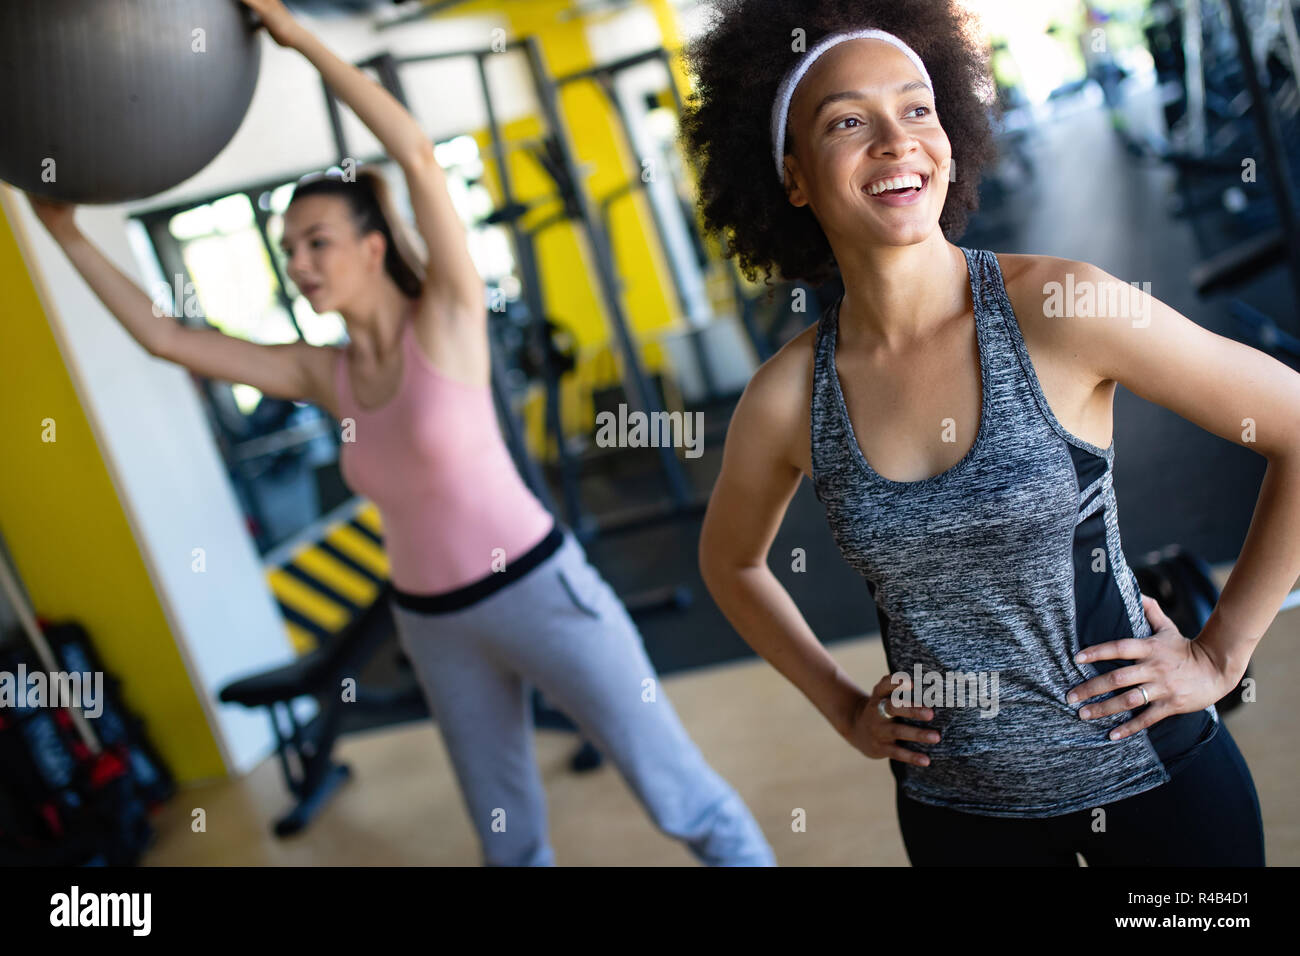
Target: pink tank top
x=434 y=463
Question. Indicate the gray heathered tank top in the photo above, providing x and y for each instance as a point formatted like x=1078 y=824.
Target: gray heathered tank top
x=1007 y=562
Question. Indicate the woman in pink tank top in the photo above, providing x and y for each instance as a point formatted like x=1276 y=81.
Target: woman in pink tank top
x=490 y=594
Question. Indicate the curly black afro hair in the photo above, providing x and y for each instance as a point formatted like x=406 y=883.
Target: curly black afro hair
x=737 y=66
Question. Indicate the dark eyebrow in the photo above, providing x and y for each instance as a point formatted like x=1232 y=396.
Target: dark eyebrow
x=306 y=234
x=855 y=95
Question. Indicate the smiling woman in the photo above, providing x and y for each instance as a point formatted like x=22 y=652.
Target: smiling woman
x=730 y=124
x=957 y=432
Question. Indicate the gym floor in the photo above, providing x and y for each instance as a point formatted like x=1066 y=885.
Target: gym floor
x=402 y=806
x=1175 y=483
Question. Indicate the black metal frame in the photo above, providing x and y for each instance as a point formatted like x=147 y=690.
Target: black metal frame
x=1274 y=246
x=1275 y=163
x=603 y=76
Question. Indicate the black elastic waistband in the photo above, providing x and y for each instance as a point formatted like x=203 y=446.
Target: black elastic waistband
x=476 y=591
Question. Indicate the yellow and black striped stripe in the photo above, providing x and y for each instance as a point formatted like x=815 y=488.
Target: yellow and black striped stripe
x=328 y=583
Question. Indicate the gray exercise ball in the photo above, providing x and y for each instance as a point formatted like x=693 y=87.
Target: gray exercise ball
x=128 y=98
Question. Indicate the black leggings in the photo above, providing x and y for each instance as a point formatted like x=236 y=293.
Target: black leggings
x=1207 y=815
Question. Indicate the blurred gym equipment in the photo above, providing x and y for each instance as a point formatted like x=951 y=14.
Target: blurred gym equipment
x=1183 y=587
x=1230 y=70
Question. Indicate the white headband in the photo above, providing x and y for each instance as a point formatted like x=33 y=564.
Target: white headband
x=785 y=92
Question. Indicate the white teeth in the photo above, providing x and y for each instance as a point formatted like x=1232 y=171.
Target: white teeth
x=898 y=182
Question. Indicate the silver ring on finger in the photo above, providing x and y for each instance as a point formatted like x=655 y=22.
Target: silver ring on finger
x=880 y=706
x=1146 y=698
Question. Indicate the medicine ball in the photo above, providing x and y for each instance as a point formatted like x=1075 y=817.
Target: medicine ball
x=115 y=100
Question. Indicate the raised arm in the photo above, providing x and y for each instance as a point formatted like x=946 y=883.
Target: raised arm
x=294 y=371
x=453 y=283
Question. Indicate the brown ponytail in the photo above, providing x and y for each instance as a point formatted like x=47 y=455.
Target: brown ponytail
x=371 y=203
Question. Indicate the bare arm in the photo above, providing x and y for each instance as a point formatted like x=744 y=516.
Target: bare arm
x=453 y=284
x=1231 y=390
x=283 y=371
x=758 y=478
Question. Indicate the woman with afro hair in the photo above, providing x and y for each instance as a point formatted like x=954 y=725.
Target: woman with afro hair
x=953 y=410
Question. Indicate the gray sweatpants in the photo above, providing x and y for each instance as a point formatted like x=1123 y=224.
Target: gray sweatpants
x=561 y=628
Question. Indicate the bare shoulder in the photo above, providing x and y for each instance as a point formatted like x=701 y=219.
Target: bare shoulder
x=321 y=363
x=784 y=381
x=776 y=405
x=453 y=335
x=1026 y=276
x=1043 y=291
x=1028 y=280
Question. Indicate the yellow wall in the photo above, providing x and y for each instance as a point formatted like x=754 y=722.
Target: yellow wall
x=69 y=537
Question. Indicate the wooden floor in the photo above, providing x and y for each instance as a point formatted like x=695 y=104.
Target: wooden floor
x=402 y=806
